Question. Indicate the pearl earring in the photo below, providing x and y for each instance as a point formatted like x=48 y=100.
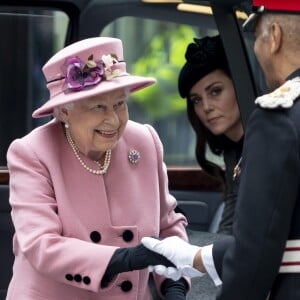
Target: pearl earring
x=66 y=125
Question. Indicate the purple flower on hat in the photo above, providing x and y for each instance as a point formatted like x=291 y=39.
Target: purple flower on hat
x=80 y=75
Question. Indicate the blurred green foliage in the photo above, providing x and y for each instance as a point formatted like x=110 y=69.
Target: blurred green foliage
x=164 y=60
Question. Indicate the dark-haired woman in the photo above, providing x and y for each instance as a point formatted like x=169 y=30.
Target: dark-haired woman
x=213 y=112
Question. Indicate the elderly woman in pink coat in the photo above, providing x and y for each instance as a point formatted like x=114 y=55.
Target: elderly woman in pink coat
x=88 y=185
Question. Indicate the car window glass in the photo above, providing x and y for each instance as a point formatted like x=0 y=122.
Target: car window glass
x=29 y=38
x=156 y=48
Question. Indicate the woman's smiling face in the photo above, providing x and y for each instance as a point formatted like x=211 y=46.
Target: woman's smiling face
x=97 y=123
x=215 y=104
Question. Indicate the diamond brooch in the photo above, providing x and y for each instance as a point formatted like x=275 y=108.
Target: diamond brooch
x=134 y=156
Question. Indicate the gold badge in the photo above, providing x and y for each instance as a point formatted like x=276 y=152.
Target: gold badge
x=237 y=170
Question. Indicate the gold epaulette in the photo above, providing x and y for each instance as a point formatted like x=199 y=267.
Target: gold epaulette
x=283 y=97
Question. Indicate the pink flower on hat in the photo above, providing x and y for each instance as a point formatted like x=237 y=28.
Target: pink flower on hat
x=109 y=61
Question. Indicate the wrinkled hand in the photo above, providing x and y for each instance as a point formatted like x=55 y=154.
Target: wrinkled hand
x=179 y=252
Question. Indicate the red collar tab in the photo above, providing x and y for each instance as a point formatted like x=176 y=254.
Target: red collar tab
x=277 y=5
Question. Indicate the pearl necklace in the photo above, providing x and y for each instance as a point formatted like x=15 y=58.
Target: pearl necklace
x=102 y=169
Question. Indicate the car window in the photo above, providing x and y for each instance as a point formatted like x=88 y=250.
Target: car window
x=29 y=38
x=152 y=48
x=156 y=48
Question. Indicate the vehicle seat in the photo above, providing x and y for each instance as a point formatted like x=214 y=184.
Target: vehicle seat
x=199 y=207
x=6 y=234
x=214 y=225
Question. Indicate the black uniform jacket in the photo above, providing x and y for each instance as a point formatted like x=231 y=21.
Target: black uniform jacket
x=267 y=210
x=232 y=155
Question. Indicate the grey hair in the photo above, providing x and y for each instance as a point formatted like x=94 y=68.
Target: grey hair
x=266 y=20
x=56 y=110
x=289 y=23
x=127 y=92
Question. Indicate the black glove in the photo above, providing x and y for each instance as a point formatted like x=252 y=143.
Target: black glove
x=130 y=259
x=174 y=290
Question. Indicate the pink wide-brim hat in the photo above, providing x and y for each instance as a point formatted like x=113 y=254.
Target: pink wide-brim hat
x=55 y=74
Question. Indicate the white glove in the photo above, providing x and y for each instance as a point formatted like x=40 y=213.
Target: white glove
x=179 y=252
x=169 y=272
x=174 y=273
x=190 y=272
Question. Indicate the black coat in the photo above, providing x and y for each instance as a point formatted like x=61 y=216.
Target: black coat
x=232 y=155
x=267 y=210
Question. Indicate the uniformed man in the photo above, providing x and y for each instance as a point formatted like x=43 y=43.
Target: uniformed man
x=262 y=259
